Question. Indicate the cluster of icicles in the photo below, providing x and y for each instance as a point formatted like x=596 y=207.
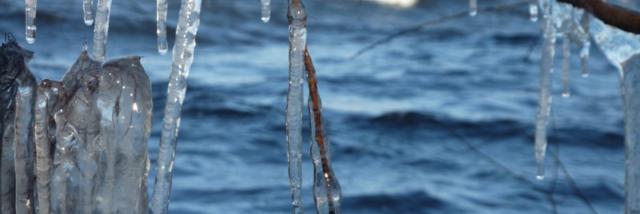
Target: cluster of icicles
x=114 y=97
x=622 y=49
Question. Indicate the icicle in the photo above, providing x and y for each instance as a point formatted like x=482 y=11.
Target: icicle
x=30 y=20
x=87 y=12
x=533 y=12
x=585 y=44
x=473 y=7
x=161 y=28
x=567 y=28
x=77 y=128
x=546 y=68
x=326 y=188
x=48 y=95
x=297 y=42
x=183 y=52
x=266 y=10
x=631 y=97
x=124 y=102
x=24 y=150
x=101 y=30
x=566 y=54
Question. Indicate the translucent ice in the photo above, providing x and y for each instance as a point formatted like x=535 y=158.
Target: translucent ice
x=183 y=52
x=297 y=43
x=101 y=30
x=124 y=102
x=49 y=95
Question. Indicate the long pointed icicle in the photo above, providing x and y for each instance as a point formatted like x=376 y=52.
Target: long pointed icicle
x=30 y=20
x=546 y=68
x=473 y=7
x=266 y=10
x=585 y=44
x=161 y=25
x=326 y=188
x=48 y=94
x=183 y=52
x=87 y=12
x=24 y=151
x=297 y=43
x=568 y=27
x=566 y=57
x=101 y=30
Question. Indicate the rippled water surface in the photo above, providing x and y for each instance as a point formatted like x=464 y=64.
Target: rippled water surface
x=439 y=121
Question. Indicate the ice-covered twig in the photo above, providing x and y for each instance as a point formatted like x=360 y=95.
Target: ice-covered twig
x=326 y=188
x=101 y=30
x=30 y=20
x=297 y=43
x=161 y=25
x=183 y=53
x=24 y=149
x=48 y=94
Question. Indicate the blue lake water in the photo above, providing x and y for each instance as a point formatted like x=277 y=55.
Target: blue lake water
x=439 y=121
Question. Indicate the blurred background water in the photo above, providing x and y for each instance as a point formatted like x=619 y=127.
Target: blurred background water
x=439 y=121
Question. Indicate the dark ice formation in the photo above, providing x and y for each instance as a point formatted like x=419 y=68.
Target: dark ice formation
x=75 y=146
x=16 y=98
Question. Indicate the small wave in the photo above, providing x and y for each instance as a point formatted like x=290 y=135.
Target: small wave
x=488 y=128
x=518 y=39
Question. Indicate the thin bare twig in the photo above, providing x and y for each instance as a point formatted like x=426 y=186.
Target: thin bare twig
x=316 y=113
x=438 y=20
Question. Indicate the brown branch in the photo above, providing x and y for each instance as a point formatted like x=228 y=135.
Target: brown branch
x=614 y=15
x=316 y=113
